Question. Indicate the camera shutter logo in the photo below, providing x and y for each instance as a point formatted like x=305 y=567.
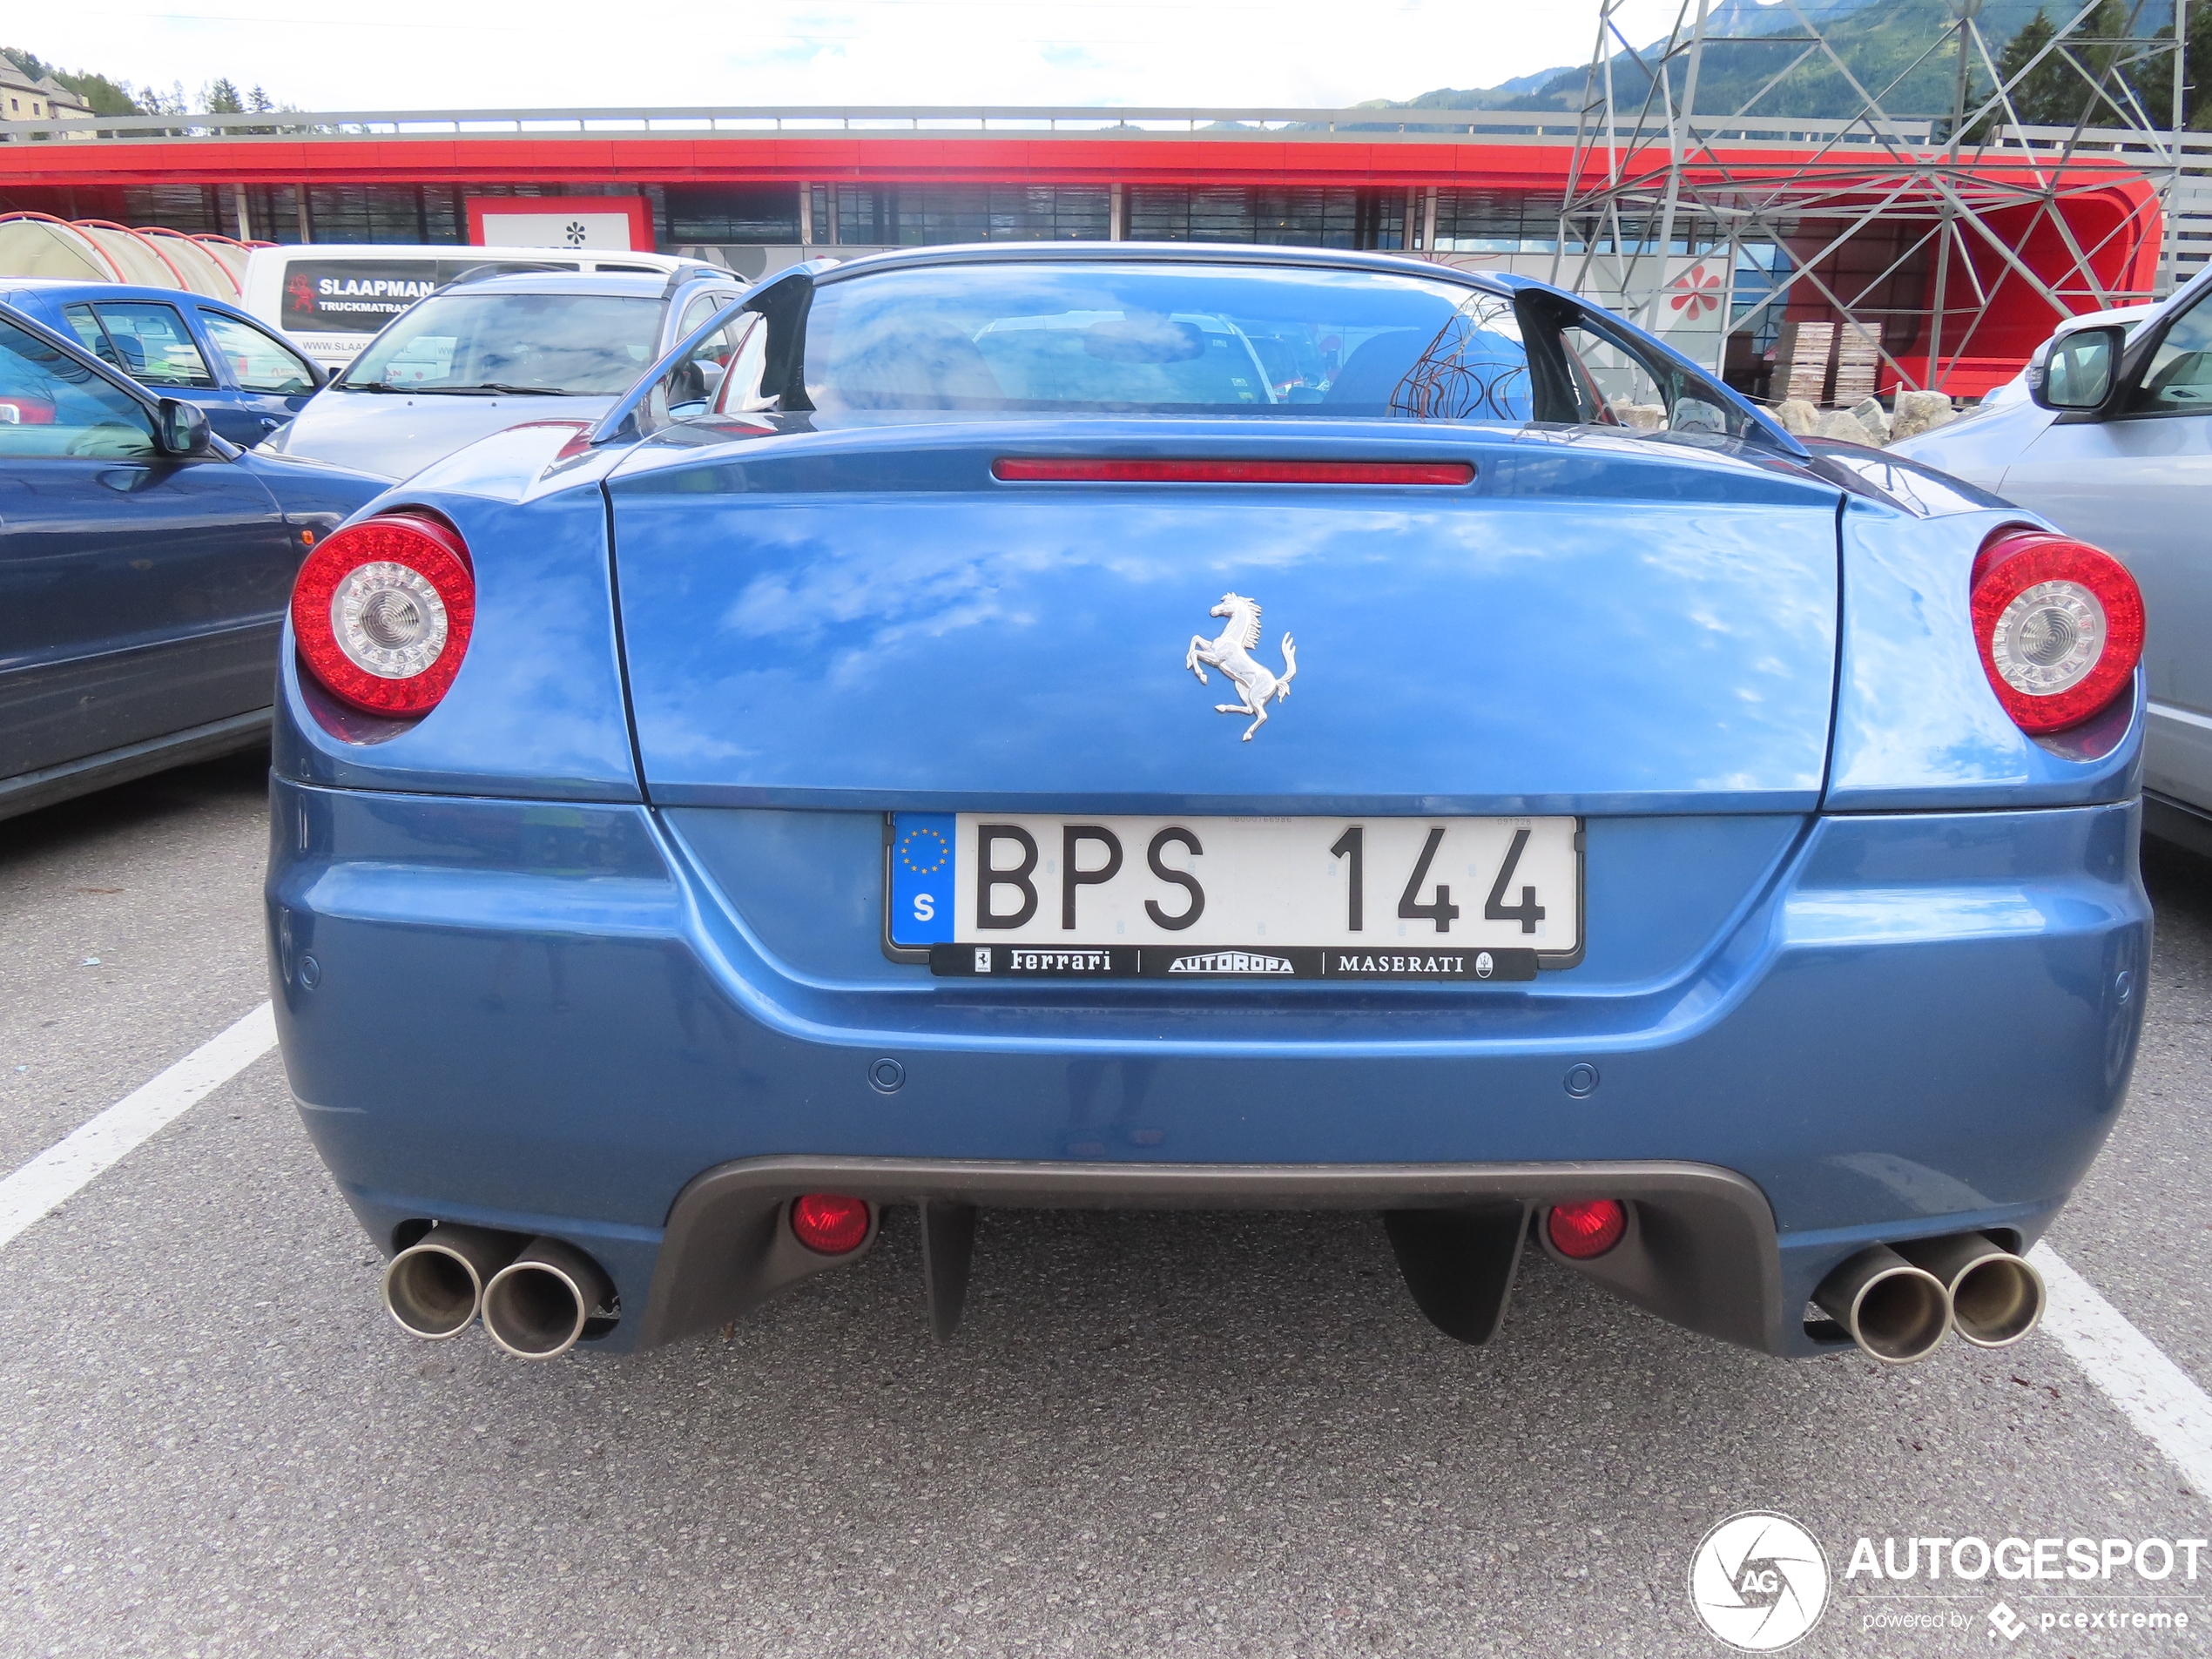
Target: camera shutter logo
x=1759 y=1581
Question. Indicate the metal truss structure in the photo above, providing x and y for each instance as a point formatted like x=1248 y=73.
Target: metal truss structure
x=1952 y=196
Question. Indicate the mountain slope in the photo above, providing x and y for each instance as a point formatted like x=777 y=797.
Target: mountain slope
x=1899 y=50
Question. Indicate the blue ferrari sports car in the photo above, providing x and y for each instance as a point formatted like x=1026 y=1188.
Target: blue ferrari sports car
x=1152 y=727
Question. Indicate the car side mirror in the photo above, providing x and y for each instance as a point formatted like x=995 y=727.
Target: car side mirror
x=182 y=427
x=318 y=376
x=2076 y=371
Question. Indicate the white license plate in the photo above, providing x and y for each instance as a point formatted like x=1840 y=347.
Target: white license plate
x=1025 y=895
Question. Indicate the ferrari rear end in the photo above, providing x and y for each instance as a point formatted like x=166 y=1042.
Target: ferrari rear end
x=1165 y=728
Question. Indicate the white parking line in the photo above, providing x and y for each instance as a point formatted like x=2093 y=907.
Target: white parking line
x=2151 y=1391
x=66 y=1168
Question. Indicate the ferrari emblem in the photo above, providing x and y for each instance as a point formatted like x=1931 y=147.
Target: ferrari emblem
x=1231 y=654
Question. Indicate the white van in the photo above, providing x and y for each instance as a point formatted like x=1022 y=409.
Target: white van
x=330 y=299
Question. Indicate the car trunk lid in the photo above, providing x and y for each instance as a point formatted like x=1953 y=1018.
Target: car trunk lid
x=872 y=619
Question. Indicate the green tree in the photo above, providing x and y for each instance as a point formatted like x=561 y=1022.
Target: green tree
x=2091 y=70
x=220 y=97
x=101 y=95
x=2157 y=74
x=2032 y=92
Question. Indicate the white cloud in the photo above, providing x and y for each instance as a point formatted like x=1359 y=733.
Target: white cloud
x=446 y=54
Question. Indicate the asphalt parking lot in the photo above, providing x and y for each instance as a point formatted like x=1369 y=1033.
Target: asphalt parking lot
x=1203 y=1433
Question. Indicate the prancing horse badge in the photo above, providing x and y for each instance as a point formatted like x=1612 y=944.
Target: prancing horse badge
x=1231 y=654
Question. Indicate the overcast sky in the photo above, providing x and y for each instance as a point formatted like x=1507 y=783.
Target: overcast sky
x=448 y=54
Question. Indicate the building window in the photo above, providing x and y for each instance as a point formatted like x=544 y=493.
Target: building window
x=190 y=208
x=1486 y=221
x=1317 y=217
x=933 y=215
x=719 y=214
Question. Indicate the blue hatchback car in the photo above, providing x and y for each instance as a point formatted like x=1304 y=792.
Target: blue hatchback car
x=1031 y=743
x=247 y=382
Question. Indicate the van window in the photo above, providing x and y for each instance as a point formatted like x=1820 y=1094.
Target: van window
x=353 y=296
x=342 y=296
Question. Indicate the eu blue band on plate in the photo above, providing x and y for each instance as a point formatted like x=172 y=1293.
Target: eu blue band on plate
x=921 y=878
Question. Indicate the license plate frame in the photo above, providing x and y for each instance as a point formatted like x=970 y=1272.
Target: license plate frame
x=1396 y=953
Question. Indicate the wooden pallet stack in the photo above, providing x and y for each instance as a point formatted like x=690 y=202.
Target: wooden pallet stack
x=1858 y=363
x=1801 y=360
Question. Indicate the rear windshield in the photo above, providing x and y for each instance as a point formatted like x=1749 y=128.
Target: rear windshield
x=1165 y=340
x=573 y=343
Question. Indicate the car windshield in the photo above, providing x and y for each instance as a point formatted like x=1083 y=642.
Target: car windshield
x=579 y=344
x=1165 y=340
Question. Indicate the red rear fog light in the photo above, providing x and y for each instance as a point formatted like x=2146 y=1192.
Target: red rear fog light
x=830 y=1223
x=1585 y=1228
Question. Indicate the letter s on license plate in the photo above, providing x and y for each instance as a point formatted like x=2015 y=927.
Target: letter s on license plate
x=1018 y=895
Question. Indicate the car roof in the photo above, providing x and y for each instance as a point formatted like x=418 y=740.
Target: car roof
x=1172 y=254
x=71 y=288
x=651 y=287
x=2112 y=314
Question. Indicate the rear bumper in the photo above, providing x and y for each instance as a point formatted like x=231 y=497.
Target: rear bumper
x=540 y=1018
x=1703 y=1253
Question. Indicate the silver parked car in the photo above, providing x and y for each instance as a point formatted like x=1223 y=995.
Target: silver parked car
x=497 y=351
x=2113 y=443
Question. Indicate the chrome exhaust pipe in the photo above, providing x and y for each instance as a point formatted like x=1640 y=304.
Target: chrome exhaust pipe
x=535 y=1307
x=1895 y=1312
x=1996 y=1297
x=433 y=1286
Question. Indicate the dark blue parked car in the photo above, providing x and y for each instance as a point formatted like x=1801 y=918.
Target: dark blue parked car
x=1706 y=860
x=184 y=345
x=143 y=568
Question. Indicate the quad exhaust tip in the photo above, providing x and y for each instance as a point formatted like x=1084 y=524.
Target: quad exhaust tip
x=1997 y=1297
x=435 y=1286
x=538 y=1304
x=1895 y=1312
x=1897 y=1302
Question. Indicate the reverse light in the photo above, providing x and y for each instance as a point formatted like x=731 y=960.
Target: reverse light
x=383 y=609
x=830 y=1223
x=1100 y=470
x=1587 y=1228
x=2059 y=626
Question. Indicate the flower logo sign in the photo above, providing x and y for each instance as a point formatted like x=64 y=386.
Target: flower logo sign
x=1696 y=292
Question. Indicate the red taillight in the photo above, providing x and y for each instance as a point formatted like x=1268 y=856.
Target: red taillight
x=2059 y=626
x=1021 y=470
x=829 y=1223
x=383 y=609
x=1587 y=1227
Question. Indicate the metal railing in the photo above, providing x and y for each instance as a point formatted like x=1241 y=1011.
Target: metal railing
x=1364 y=125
